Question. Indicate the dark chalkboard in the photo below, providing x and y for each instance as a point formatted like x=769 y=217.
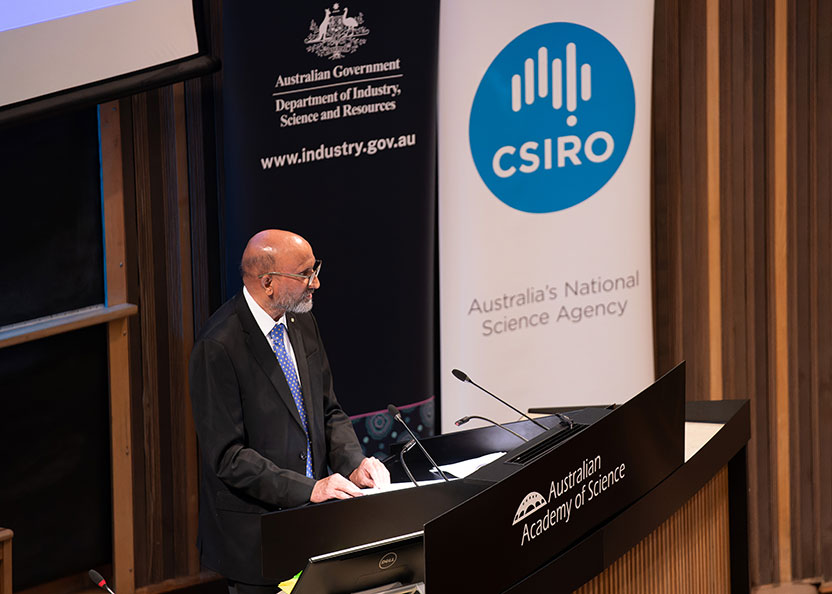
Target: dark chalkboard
x=55 y=455
x=51 y=239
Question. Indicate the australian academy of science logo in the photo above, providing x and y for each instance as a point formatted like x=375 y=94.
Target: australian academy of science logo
x=552 y=118
x=530 y=504
x=338 y=34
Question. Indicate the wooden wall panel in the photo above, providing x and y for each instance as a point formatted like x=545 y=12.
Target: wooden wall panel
x=773 y=237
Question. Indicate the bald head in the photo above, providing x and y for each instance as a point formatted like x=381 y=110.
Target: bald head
x=268 y=250
x=274 y=250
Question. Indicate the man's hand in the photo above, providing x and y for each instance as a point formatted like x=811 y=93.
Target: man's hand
x=334 y=486
x=370 y=473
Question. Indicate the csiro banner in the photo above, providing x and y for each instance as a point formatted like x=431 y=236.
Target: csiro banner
x=544 y=203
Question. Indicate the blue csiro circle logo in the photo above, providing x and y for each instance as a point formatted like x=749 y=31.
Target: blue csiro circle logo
x=552 y=118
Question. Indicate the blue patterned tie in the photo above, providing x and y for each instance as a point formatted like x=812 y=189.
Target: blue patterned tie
x=276 y=336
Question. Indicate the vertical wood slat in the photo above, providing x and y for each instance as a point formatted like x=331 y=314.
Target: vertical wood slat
x=781 y=283
x=150 y=567
x=712 y=34
x=693 y=209
x=170 y=318
x=169 y=458
x=799 y=153
x=112 y=189
x=761 y=376
x=667 y=269
x=821 y=125
x=122 y=471
x=818 y=240
x=810 y=252
x=184 y=454
x=688 y=553
x=118 y=350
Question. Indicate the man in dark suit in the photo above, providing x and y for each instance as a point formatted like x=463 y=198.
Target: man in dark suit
x=266 y=415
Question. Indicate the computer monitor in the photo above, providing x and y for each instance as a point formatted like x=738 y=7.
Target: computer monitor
x=397 y=561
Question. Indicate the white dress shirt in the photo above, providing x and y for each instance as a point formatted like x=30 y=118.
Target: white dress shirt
x=266 y=323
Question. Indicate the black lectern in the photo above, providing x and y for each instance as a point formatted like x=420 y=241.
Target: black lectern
x=548 y=515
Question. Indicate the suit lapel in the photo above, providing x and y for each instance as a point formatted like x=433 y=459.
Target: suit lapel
x=263 y=354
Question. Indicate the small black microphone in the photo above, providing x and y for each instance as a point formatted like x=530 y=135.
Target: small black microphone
x=464 y=420
x=99 y=581
x=463 y=377
x=394 y=412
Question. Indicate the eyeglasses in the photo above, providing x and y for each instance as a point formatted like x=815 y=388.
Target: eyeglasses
x=309 y=278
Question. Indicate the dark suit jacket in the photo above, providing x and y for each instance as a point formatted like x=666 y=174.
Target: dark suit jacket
x=250 y=436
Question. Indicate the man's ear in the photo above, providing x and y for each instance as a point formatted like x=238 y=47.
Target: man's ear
x=266 y=283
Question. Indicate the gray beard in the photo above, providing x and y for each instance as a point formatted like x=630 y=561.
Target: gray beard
x=302 y=305
x=299 y=307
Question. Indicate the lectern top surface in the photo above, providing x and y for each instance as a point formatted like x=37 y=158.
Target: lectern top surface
x=697 y=435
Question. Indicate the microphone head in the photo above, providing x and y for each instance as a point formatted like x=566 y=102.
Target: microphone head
x=462 y=421
x=460 y=375
x=97 y=578
x=393 y=410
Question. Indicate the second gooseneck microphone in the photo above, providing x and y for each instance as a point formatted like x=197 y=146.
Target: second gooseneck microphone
x=463 y=377
x=464 y=420
x=394 y=412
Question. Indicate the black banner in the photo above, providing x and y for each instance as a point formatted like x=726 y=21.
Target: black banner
x=329 y=125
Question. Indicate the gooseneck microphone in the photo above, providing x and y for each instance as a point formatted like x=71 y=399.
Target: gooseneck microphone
x=99 y=581
x=464 y=420
x=407 y=447
x=394 y=412
x=463 y=377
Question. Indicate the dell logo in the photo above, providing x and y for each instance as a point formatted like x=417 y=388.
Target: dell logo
x=552 y=118
x=388 y=561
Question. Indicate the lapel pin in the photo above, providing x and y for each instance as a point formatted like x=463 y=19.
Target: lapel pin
x=292 y=319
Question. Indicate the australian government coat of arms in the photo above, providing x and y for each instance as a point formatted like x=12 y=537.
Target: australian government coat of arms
x=338 y=34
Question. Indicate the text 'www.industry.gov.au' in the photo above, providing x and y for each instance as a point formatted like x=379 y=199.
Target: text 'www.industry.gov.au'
x=345 y=149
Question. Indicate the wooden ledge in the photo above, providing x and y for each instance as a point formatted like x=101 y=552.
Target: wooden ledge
x=63 y=322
